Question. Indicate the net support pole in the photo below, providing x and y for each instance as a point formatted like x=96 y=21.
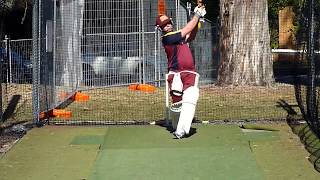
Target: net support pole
x=35 y=61
x=311 y=94
x=1 y=113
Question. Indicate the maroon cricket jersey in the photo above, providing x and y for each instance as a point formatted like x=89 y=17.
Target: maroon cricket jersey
x=178 y=52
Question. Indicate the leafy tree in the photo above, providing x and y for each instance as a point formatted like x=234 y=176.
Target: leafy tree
x=5 y=7
x=15 y=18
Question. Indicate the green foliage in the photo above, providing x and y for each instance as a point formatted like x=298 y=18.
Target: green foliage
x=212 y=7
x=274 y=6
x=8 y=6
x=5 y=5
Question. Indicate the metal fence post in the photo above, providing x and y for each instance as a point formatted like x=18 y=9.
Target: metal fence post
x=140 y=40
x=311 y=94
x=8 y=60
x=35 y=61
x=143 y=43
x=1 y=113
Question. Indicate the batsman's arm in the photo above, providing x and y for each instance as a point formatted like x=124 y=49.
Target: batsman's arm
x=190 y=26
x=199 y=12
x=192 y=35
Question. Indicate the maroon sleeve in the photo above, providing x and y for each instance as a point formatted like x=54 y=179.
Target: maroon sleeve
x=193 y=34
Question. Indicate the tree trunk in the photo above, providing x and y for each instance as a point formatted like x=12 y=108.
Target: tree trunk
x=246 y=57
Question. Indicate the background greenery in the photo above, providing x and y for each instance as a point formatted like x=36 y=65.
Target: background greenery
x=274 y=7
x=16 y=16
x=16 y=19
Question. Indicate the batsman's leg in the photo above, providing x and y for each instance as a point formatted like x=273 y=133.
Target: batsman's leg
x=167 y=112
x=188 y=108
x=175 y=110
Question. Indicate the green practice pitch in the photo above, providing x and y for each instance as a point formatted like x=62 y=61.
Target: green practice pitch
x=150 y=153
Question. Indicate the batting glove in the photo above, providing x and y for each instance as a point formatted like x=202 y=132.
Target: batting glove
x=200 y=12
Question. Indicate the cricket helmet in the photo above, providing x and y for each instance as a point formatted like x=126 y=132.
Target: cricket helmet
x=162 y=20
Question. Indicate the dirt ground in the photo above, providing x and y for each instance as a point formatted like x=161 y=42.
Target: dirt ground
x=9 y=136
x=6 y=141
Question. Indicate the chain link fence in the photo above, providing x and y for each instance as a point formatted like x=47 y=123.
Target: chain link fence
x=100 y=48
x=16 y=81
x=304 y=72
x=306 y=78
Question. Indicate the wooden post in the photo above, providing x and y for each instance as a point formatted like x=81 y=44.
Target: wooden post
x=286 y=34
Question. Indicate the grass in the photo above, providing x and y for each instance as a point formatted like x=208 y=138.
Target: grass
x=215 y=103
x=121 y=104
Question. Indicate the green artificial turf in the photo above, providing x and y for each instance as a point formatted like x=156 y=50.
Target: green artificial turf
x=46 y=153
x=150 y=152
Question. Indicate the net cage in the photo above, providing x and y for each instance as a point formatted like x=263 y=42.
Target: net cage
x=98 y=48
x=306 y=81
x=90 y=55
x=306 y=78
x=92 y=58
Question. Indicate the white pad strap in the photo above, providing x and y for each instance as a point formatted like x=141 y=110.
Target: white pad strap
x=176 y=86
x=176 y=107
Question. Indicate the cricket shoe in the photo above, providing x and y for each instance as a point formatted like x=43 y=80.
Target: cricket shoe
x=178 y=135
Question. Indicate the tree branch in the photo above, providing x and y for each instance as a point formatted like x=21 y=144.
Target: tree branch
x=25 y=12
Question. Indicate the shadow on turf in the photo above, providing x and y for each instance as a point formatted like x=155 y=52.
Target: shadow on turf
x=171 y=130
x=311 y=142
x=309 y=139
